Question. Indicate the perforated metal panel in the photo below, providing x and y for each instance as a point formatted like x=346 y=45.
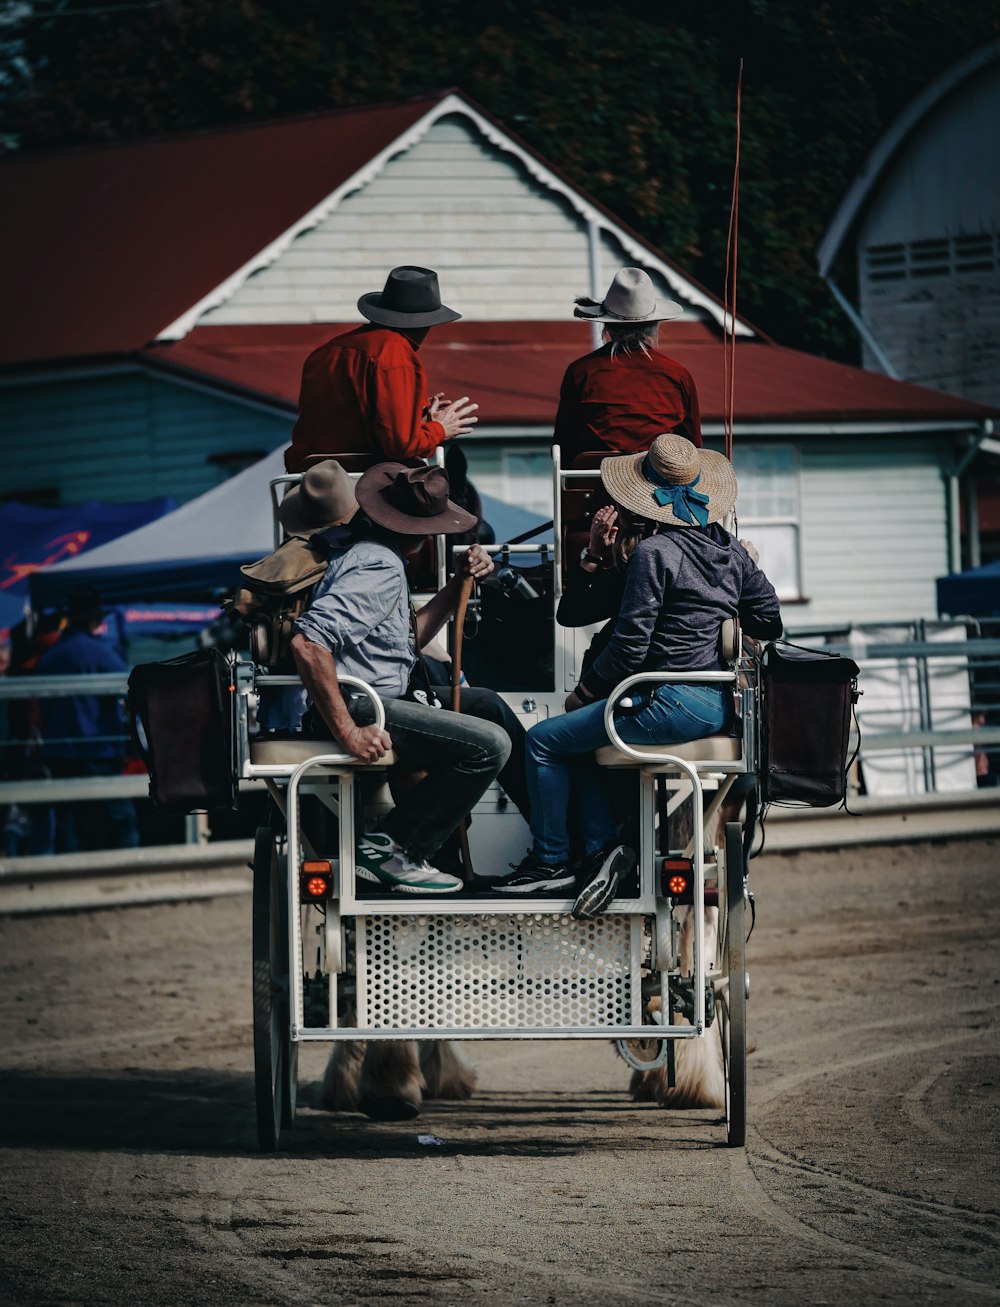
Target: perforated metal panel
x=516 y=971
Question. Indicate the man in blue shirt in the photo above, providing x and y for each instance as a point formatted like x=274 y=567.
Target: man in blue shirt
x=359 y=623
x=84 y=734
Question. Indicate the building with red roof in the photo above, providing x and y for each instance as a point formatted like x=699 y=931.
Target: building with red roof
x=162 y=295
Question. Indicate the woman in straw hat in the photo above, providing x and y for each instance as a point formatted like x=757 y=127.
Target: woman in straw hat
x=684 y=574
x=621 y=396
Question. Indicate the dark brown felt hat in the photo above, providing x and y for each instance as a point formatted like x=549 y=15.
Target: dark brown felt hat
x=412 y=501
x=411 y=298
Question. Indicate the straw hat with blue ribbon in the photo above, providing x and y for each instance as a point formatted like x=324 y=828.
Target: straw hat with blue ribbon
x=673 y=482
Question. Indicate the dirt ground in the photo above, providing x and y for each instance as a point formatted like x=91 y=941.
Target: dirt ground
x=130 y=1174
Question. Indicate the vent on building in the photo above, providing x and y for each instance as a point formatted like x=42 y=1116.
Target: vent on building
x=886 y=262
x=941 y=257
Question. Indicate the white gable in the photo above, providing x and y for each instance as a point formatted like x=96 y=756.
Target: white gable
x=509 y=239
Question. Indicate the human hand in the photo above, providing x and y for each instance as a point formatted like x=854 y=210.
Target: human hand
x=475 y=562
x=603 y=530
x=456 y=418
x=751 y=549
x=431 y=408
x=573 y=701
x=367 y=743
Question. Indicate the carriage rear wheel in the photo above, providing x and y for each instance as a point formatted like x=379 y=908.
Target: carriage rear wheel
x=275 y=1057
x=734 y=1006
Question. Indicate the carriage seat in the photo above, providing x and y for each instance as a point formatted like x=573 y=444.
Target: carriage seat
x=291 y=753
x=713 y=748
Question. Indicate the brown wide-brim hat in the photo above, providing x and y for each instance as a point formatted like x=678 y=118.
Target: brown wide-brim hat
x=324 y=497
x=412 y=501
x=631 y=298
x=673 y=482
x=411 y=298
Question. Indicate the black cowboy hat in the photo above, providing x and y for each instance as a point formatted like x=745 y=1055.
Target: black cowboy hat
x=412 y=501
x=411 y=298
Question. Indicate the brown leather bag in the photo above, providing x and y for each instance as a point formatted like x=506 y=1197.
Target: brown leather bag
x=276 y=590
x=808 y=697
x=183 y=725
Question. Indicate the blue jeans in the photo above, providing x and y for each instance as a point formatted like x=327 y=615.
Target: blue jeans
x=560 y=759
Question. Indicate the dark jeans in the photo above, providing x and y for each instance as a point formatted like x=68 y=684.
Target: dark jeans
x=489 y=707
x=460 y=755
x=100 y=824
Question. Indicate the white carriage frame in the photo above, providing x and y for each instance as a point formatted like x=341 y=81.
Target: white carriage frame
x=686 y=776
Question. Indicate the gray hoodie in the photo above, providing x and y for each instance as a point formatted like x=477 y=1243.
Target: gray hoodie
x=680 y=585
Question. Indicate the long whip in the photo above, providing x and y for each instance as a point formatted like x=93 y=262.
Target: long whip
x=464 y=594
x=729 y=291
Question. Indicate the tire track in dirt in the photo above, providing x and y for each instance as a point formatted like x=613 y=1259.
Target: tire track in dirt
x=749 y=1173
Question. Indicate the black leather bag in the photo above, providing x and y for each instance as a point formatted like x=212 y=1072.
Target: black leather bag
x=183 y=724
x=808 y=697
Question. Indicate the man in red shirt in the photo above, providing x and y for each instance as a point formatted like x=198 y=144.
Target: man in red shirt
x=365 y=392
x=625 y=394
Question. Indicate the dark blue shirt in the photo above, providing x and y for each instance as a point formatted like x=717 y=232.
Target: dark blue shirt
x=84 y=726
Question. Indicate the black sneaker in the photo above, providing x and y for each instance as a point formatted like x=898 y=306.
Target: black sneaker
x=532 y=876
x=601 y=877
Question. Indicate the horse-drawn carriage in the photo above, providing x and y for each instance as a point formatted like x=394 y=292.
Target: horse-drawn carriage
x=335 y=959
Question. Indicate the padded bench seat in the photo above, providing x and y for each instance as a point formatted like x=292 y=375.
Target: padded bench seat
x=291 y=753
x=714 y=748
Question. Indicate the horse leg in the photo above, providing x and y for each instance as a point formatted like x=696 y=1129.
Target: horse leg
x=339 y=1089
x=699 y=1079
x=445 y=1071
x=391 y=1086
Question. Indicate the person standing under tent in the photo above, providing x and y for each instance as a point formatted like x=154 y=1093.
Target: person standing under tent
x=84 y=734
x=365 y=392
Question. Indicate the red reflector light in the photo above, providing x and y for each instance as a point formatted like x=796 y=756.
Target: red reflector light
x=321 y=865
x=677 y=884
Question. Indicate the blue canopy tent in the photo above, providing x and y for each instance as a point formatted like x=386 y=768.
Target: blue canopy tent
x=199 y=548
x=974 y=593
x=33 y=539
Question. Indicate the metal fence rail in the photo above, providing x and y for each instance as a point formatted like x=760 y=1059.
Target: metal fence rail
x=921 y=654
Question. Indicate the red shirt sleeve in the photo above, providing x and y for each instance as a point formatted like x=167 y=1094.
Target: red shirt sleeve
x=567 y=427
x=691 y=423
x=396 y=400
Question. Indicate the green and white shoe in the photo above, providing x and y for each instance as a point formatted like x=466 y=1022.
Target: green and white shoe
x=380 y=860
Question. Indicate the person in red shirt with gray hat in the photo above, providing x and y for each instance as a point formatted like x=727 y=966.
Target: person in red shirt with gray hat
x=619 y=398
x=365 y=392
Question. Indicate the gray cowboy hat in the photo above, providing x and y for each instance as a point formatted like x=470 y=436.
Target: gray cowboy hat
x=631 y=297
x=672 y=482
x=324 y=497
x=411 y=298
x=412 y=501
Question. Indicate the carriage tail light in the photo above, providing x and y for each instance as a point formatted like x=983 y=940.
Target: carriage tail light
x=316 y=881
x=677 y=879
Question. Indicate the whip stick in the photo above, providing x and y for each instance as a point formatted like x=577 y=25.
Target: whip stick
x=464 y=594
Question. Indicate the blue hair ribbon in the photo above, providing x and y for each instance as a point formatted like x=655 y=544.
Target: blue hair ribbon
x=686 y=503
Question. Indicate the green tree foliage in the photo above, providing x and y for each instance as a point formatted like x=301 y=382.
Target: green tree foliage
x=635 y=102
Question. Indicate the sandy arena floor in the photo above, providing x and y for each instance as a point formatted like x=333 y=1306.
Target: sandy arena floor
x=128 y=1145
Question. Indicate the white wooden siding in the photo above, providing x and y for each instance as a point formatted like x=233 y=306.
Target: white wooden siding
x=123 y=437
x=938 y=318
x=505 y=246
x=874 y=531
x=945 y=181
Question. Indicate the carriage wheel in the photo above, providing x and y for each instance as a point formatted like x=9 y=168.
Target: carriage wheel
x=734 y=1008
x=275 y=1062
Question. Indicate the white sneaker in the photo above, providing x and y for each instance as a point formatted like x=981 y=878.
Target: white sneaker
x=379 y=859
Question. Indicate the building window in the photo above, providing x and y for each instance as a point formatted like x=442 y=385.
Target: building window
x=769 y=513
